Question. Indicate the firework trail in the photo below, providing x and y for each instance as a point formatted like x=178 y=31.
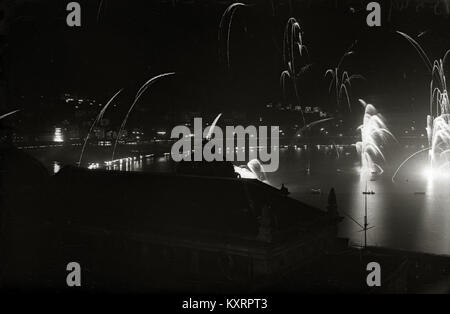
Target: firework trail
x=100 y=7
x=342 y=82
x=438 y=119
x=418 y=48
x=310 y=125
x=8 y=114
x=213 y=125
x=227 y=16
x=374 y=133
x=293 y=46
x=406 y=160
x=141 y=91
x=97 y=119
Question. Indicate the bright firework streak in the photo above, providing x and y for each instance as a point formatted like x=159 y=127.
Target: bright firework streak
x=374 y=133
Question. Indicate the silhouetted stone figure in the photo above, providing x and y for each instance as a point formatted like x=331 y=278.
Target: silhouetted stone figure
x=284 y=190
x=332 y=204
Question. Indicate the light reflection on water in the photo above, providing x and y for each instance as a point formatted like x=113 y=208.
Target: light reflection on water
x=411 y=214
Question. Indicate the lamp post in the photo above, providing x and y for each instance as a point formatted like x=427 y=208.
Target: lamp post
x=366 y=224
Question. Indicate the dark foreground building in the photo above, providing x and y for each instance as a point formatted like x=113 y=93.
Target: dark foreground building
x=151 y=232
x=179 y=232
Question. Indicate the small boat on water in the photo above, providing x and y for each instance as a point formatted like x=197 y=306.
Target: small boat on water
x=316 y=191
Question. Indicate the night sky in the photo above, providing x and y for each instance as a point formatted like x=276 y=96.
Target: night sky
x=127 y=42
